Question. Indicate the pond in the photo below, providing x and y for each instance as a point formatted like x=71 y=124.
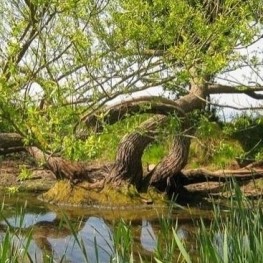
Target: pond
x=71 y=234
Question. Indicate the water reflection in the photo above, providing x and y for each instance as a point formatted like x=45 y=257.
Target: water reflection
x=148 y=238
x=90 y=231
x=51 y=235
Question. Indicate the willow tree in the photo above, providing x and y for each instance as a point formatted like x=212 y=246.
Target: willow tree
x=83 y=55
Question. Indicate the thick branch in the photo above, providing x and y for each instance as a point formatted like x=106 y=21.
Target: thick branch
x=147 y=104
x=172 y=163
x=249 y=91
x=71 y=170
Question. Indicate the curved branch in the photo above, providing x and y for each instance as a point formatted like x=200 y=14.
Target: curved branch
x=172 y=163
x=146 y=104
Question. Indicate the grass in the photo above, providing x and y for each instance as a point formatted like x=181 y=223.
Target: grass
x=235 y=234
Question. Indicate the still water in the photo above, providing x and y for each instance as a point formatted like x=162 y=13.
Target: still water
x=67 y=232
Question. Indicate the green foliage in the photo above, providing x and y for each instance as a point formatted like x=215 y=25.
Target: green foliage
x=5 y=125
x=123 y=243
x=192 y=32
x=112 y=135
x=24 y=173
x=248 y=131
x=10 y=251
x=76 y=149
x=225 y=153
x=207 y=128
x=49 y=128
x=155 y=152
x=212 y=147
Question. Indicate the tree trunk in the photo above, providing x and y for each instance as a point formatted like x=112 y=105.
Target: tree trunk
x=128 y=165
x=161 y=176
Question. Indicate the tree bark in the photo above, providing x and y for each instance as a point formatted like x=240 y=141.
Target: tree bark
x=74 y=171
x=119 y=111
x=192 y=176
x=174 y=162
x=128 y=165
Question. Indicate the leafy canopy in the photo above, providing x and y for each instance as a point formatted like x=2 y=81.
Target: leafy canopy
x=61 y=60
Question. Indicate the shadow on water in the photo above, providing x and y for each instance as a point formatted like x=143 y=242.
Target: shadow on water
x=52 y=234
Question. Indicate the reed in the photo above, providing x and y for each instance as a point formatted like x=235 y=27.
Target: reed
x=235 y=234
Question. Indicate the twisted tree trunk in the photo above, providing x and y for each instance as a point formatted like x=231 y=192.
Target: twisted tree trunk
x=174 y=162
x=128 y=165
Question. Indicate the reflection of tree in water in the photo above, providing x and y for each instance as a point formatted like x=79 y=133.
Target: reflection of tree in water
x=44 y=230
x=45 y=234
x=57 y=237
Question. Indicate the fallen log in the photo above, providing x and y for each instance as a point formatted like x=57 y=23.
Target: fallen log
x=10 y=140
x=74 y=171
x=190 y=176
x=4 y=151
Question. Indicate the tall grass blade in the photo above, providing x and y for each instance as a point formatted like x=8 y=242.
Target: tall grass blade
x=225 y=247
x=181 y=247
